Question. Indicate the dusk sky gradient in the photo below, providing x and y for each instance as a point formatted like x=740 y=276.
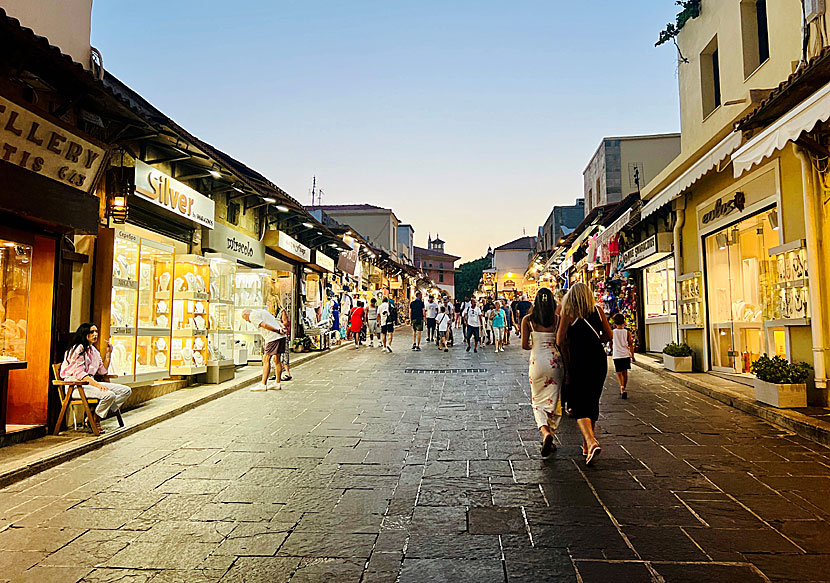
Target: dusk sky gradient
x=468 y=118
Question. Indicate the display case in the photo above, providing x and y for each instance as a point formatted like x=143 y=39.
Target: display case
x=15 y=276
x=124 y=305
x=190 y=316
x=221 y=310
x=691 y=300
x=152 y=356
x=253 y=288
x=790 y=289
x=155 y=268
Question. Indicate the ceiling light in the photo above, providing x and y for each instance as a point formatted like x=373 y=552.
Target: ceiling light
x=282 y=208
x=269 y=199
x=308 y=225
x=237 y=189
x=215 y=173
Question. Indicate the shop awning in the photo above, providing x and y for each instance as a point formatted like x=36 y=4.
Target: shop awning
x=579 y=240
x=700 y=168
x=614 y=228
x=788 y=128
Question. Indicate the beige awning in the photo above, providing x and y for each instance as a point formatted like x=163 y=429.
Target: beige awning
x=614 y=228
x=699 y=169
x=788 y=128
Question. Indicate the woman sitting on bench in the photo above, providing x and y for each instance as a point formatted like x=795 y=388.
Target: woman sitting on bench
x=83 y=362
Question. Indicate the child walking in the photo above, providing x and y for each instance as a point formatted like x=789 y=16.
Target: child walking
x=443 y=325
x=623 y=352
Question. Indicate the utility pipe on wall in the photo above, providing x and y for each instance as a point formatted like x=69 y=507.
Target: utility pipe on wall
x=811 y=226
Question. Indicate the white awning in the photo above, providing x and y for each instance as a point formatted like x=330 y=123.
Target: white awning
x=699 y=169
x=614 y=228
x=788 y=128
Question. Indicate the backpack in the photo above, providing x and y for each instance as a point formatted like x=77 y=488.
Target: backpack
x=392 y=318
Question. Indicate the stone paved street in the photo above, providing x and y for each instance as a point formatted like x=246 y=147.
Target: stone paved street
x=359 y=471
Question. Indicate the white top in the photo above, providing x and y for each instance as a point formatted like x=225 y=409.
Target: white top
x=473 y=316
x=450 y=308
x=443 y=322
x=260 y=316
x=383 y=312
x=432 y=310
x=621 y=349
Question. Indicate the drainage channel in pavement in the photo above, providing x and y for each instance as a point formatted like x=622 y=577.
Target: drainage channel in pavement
x=443 y=370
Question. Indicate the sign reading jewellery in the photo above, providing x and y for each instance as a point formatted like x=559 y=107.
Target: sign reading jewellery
x=293 y=247
x=224 y=239
x=43 y=147
x=168 y=193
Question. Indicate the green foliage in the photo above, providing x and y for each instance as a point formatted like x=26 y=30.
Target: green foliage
x=469 y=277
x=779 y=371
x=677 y=350
x=690 y=10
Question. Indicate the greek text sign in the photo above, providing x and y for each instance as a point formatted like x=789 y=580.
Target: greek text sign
x=45 y=148
x=224 y=239
x=168 y=193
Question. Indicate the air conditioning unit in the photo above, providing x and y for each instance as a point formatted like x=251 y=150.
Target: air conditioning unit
x=813 y=9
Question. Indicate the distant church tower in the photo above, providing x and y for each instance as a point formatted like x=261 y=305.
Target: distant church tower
x=435 y=244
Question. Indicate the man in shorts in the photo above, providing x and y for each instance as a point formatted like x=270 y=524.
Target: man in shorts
x=432 y=316
x=472 y=320
x=273 y=336
x=416 y=316
x=372 y=322
x=386 y=325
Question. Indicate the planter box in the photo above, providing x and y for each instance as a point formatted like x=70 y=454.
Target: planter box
x=781 y=396
x=677 y=363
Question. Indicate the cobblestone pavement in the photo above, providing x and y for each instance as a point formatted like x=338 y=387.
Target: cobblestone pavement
x=360 y=471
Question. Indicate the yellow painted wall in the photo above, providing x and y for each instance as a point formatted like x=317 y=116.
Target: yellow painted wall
x=723 y=18
x=66 y=23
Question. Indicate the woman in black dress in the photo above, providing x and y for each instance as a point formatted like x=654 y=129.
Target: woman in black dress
x=583 y=328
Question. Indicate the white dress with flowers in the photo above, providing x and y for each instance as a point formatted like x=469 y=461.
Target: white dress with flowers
x=546 y=375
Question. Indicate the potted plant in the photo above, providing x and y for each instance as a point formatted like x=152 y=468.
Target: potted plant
x=677 y=357
x=781 y=383
x=301 y=344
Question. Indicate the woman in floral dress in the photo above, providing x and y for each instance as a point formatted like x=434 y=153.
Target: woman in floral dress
x=546 y=372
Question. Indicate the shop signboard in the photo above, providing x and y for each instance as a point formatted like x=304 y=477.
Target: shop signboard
x=224 y=239
x=659 y=243
x=324 y=261
x=375 y=278
x=46 y=148
x=566 y=265
x=174 y=196
x=293 y=248
x=349 y=260
x=396 y=283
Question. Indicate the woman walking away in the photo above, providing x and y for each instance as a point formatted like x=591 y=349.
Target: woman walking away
x=539 y=336
x=356 y=322
x=584 y=328
x=497 y=321
x=83 y=362
x=622 y=352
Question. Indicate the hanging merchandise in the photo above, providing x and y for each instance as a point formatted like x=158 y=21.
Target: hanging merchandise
x=592 y=249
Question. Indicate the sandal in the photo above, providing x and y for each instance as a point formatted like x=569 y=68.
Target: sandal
x=547 y=445
x=592 y=454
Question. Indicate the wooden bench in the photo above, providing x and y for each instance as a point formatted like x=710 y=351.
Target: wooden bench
x=66 y=389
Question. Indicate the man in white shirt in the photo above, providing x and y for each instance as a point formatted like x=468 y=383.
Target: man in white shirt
x=386 y=325
x=451 y=313
x=472 y=320
x=432 y=315
x=273 y=337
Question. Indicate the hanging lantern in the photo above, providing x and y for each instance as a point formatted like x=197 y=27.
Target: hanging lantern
x=118 y=209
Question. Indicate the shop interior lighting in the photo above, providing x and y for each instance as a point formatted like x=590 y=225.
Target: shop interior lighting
x=269 y=200
x=720 y=239
x=237 y=189
x=308 y=225
x=773 y=220
x=215 y=173
x=282 y=208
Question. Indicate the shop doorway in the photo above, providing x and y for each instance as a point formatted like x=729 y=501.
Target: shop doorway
x=739 y=291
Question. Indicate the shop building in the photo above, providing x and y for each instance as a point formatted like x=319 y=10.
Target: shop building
x=740 y=214
x=510 y=263
x=437 y=265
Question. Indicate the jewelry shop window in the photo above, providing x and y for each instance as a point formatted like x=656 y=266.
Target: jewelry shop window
x=661 y=294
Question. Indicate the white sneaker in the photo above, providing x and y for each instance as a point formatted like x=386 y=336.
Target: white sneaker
x=274 y=387
x=258 y=388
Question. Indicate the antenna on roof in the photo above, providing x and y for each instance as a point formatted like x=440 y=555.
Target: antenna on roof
x=313 y=189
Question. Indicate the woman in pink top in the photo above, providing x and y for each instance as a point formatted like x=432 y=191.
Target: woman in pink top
x=83 y=362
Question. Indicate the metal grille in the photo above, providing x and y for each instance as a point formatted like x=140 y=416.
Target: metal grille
x=443 y=370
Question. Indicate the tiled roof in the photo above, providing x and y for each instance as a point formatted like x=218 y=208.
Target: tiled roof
x=802 y=83
x=432 y=253
x=528 y=242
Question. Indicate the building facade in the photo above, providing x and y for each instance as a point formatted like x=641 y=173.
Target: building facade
x=406 y=244
x=510 y=262
x=376 y=224
x=437 y=264
x=561 y=221
x=623 y=165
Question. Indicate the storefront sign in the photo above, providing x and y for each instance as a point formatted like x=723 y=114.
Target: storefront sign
x=566 y=265
x=293 y=248
x=168 y=193
x=659 y=243
x=723 y=207
x=396 y=283
x=224 y=239
x=375 y=278
x=348 y=261
x=324 y=261
x=509 y=284
x=40 y=146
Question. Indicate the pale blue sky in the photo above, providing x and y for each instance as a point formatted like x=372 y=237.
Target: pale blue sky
x=468 y=118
